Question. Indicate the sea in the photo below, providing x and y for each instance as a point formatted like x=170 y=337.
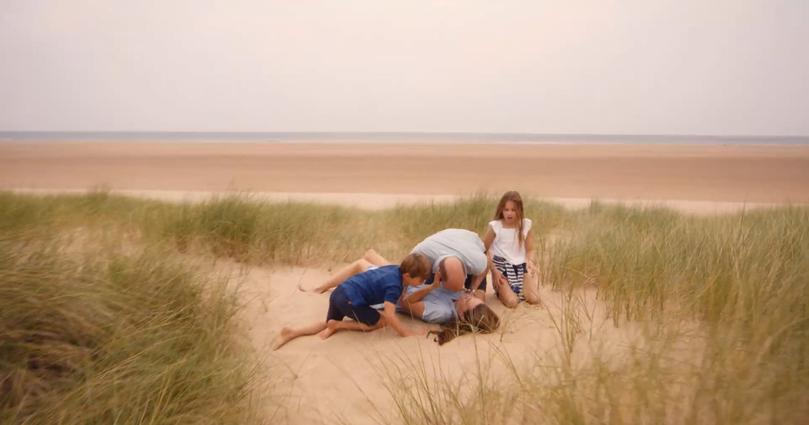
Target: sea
x=399 y=137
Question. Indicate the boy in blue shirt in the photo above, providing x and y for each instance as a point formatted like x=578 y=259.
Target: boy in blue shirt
x=354 y=297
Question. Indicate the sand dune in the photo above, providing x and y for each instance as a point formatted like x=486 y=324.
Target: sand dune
x=345 y=375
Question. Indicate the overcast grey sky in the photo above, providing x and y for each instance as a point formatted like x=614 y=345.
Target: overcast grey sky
x=621 y=67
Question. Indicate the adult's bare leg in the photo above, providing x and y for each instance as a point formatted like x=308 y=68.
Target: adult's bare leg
x=375 y=258
x=356 y=267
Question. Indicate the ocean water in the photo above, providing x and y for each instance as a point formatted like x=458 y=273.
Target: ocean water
x=402 y=137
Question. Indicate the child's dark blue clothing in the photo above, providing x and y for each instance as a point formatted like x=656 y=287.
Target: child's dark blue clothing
x=354 y=297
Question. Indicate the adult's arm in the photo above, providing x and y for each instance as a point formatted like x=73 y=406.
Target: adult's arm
x=389 y=313
x=488 y=240
x=477 y=280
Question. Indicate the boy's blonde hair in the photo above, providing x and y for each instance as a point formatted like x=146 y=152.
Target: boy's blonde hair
x=416 y=266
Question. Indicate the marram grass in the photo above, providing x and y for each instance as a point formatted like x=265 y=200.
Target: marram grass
x=104 y=337
x=720 y=304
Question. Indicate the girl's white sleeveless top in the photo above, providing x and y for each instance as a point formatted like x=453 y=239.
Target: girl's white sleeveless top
x=506 y=243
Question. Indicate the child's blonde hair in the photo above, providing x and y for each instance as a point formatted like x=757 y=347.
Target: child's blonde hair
x=515 y=197
x=416 y=266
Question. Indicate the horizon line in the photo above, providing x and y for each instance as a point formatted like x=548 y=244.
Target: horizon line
x=405 y=133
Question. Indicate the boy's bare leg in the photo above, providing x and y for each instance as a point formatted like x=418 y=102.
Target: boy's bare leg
x=505 y=294
x=356 y=267
x=340 y=325
x=374 y=258
x=531 y=289
x=288 y=334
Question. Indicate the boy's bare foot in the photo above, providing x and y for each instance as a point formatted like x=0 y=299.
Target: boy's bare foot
x=284 y=337
x=325 y=333
x=316 y=290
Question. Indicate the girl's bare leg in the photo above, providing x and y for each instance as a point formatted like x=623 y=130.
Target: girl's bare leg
x=374 y=258
x=288 y=334
x=356 y=267
x=531 y=289
x=505 y=294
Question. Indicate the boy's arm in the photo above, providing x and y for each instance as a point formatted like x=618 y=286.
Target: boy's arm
x=488 y=239
x=389 y=313
x=421 y=293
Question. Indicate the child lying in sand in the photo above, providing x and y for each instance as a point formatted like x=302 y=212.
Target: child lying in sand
x=359 y=291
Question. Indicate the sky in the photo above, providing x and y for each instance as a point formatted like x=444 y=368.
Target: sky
x=711 y=67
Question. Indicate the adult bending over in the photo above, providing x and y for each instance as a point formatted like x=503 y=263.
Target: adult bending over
x=466 y=314
x=459 y=263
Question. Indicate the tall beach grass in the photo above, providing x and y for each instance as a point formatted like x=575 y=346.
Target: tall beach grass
x=717 y=308
x=93 y=334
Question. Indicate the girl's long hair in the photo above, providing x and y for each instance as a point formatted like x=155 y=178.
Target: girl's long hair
x=481 y=319
x=515 y=197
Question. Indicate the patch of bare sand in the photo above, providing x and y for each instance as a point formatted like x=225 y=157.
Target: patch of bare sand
x=346 y=377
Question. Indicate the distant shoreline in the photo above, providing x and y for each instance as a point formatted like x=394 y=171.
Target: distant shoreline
x=399 y=137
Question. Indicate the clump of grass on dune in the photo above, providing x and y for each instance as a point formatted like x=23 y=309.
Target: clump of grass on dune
x=742 y=277
x=248 y=231
x=719 y=310
x=111 y=338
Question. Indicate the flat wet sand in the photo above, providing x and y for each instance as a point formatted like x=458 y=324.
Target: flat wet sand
x=724 y=173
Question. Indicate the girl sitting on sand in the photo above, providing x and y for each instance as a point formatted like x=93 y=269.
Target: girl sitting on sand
x=510 y=249
x=358 y=292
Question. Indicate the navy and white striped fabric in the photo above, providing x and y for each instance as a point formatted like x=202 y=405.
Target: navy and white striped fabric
x=514 y=274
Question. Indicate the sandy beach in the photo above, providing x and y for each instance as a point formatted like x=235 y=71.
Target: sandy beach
x=745 y=174
x=314 y=381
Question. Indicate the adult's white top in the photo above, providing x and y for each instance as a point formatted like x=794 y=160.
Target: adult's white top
x=464 y=244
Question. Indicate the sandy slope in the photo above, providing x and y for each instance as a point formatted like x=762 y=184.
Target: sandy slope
x=345 y=377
